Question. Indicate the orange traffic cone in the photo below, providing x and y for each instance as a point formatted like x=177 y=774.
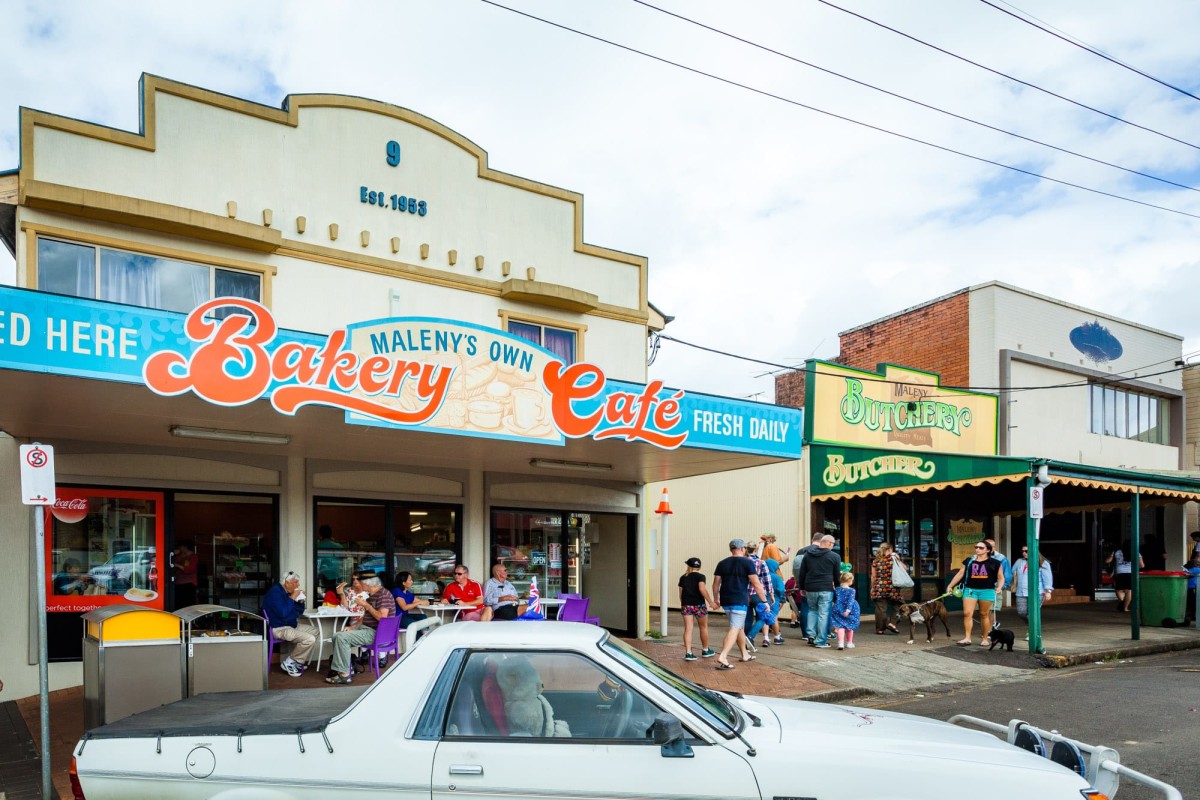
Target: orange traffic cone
x=664 y=505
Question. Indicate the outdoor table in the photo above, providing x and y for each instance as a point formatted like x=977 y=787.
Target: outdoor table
x=328 y=621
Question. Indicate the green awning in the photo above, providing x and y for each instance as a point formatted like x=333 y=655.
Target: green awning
x=838 y=471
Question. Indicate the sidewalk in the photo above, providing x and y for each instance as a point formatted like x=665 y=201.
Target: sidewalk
x=1074 y=634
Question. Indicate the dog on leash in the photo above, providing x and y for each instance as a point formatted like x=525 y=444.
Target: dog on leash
x=1001 y=637
x=926 y=612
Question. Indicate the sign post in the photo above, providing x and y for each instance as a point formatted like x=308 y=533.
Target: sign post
x=37 y=489
x=1036 y=485
x=664 y=508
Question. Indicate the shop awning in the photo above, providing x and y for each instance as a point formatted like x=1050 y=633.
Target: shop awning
x=848 y=472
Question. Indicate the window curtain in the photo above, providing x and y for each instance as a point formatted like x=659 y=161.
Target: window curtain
x=66 y=268
x=561 y=343
x=129 y=278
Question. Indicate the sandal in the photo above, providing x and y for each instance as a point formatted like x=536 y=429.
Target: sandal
x=964 y=643
x=724 y=666
x=749 y=658
x=985 y=643
x=340 y=680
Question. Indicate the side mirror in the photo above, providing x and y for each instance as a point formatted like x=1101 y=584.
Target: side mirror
x=667 y=732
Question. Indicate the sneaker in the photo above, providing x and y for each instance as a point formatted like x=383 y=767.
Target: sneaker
x=841 y=647
x=292 y=668
x=831 y=636
x=766 y=643
x=689 y=656
x=708 y=653
x=778 y=640
x=823 y=646
x=793 y=624
x=849 y=645
x=810 y=641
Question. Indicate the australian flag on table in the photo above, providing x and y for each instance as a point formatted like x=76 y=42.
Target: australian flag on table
x=534 y=609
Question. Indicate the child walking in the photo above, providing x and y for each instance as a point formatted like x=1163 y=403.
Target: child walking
x=844 y=615
x=1193 y=570
x=694 y=602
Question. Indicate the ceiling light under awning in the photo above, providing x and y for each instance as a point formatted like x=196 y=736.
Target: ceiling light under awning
x=217 y=434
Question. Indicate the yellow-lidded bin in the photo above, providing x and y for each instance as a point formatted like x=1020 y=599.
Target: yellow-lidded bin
x=133 y=660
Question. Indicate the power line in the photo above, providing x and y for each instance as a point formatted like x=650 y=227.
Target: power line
x=1116 y=378
x=842 y=117
x=1084 y=46
x=1033 y=86
x=907 y=99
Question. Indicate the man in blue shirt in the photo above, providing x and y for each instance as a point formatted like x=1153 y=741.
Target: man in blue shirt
x=283 y=604
x=733 y=579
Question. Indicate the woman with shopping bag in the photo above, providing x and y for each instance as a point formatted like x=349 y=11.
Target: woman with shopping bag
x=889 y=577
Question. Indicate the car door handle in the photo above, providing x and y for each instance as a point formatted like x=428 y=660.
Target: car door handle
x=466 y=769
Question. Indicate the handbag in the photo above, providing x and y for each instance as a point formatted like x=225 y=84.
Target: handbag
x=900 y=577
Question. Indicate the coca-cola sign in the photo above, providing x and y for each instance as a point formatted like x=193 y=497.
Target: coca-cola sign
x=69 y=510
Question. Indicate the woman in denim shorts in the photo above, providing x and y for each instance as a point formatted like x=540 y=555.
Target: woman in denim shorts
x=981 y=578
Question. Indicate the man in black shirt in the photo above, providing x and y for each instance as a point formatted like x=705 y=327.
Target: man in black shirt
x=817 y=577
x=733 y=579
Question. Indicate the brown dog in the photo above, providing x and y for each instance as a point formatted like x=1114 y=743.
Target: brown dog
x=925 y=612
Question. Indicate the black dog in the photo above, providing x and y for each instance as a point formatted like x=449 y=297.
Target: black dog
x=1001 y=637
x=925 y=612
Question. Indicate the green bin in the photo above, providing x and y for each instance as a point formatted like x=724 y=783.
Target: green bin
x=1164 y=598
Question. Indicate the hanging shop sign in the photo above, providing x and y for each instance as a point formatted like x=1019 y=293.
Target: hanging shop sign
x=431 y=374
x=897 y=408
x=838 y=470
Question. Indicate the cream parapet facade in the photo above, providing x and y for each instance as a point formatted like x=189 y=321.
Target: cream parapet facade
x=348 y=210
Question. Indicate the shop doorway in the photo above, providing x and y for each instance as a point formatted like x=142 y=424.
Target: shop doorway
x=224 y=549
x=584 y=553
x=423 y=539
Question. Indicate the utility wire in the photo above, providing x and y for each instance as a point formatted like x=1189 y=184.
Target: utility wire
x=844 y=118
x=1083 y=46
x=1116 y=378
x=910 y=99
x=1034 y=86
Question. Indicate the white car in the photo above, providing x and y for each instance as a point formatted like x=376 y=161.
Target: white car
x=481 y=711
x=125 y=569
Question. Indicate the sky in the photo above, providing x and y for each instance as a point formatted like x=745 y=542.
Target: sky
x=769 y=227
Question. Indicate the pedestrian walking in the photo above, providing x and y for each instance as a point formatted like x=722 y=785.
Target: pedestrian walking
x=733 y=577
x=1020 y=573
x=981 y=577
x=886 y=596
x=818 y=572
x=1123 y=574
x=694 y=602
x=1193 y=570
x=845 y=614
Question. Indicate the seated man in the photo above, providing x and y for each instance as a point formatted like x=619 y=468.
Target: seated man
x=466 y=593
x=501 y=596
x=379 y=604
x=283 y=604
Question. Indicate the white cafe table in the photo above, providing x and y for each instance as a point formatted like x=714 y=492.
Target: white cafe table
x=551 y=603
x=328 y=621
x=446 y=612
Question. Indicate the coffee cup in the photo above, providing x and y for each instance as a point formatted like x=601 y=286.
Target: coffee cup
x=527 y=408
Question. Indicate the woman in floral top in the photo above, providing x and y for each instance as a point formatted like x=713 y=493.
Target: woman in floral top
x=882 y=591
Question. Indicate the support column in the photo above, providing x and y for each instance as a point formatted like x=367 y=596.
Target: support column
x=1135 y=578
x=1032 y=541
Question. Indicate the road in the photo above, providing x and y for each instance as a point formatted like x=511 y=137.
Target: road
x=1147 y=708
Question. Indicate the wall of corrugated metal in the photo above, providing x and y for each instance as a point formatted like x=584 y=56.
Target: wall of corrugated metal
x=709 y=510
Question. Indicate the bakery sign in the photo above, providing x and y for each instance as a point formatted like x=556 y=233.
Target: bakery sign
x=431 y=374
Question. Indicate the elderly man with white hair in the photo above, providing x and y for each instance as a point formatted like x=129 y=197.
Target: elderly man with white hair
x=283 y=604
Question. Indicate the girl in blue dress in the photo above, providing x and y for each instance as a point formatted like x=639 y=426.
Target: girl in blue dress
x=844 y=615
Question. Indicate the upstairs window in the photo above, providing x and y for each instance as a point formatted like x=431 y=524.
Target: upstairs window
x=1130 y=415
x=136 y=279
x=564 y=342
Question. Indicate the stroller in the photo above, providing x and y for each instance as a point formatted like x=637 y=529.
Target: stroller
x=797 y=603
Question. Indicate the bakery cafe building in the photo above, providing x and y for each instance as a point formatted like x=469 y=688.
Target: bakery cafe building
x=323 y=337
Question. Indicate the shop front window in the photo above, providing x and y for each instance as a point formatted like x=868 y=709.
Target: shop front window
x=224 y=549
x=389 y=538
x=105 y=547
x=531 y=544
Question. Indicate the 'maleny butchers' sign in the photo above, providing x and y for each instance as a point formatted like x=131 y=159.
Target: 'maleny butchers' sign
x=896 y=407
x=433 y=374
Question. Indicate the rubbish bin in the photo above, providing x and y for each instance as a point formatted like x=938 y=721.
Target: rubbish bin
x=1164 y=598
x=132 y=661
x=226 y=649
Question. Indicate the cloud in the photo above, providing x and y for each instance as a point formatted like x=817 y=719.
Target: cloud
x=769 y=228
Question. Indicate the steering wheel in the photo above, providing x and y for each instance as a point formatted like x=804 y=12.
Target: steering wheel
x=619 y=713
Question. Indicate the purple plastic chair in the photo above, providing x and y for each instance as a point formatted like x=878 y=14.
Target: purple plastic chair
x=387 y=640
x=575 y=610
x=569 y=596
x=272 y=643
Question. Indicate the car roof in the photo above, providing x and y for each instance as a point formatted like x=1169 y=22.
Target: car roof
x=523 y=633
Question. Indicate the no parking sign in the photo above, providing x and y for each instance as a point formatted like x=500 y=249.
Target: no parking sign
x=37 y=475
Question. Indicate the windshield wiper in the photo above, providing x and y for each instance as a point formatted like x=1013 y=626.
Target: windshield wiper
x=750 y=751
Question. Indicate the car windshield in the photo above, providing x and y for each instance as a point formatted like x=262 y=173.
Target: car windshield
x=710 y=705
